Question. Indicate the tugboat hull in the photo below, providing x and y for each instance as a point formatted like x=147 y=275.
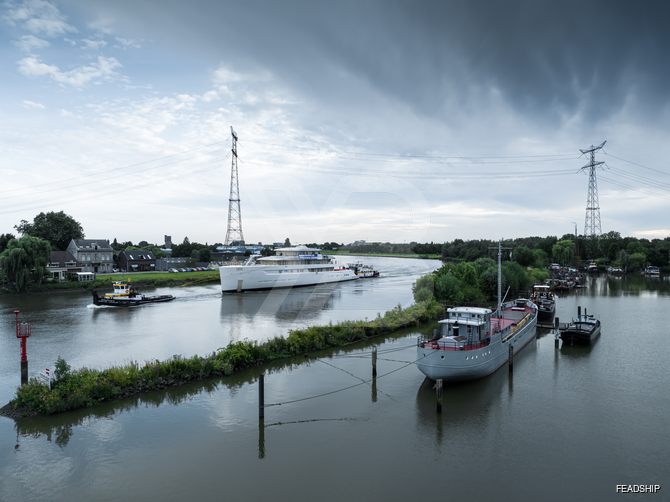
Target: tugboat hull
x=129 y=302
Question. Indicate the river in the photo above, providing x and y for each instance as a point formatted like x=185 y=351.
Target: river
x=569 y=423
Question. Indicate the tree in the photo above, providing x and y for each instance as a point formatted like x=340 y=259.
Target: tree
x=25 y=260
x=563 y=251
x=287 y=242
x=57 y=228
x=4 y=240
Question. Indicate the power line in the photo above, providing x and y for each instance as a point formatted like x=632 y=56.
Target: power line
x=109 y=170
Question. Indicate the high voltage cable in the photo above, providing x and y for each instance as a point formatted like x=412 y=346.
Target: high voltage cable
x=107 y=170
x=330 y=148
x=665 y=173
x=105 y=191
x=95 y=182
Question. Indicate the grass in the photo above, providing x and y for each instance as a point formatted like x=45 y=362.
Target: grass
x=139 y=279
x=85 y=387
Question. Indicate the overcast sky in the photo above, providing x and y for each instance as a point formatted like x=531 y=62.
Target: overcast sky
x=377 y=120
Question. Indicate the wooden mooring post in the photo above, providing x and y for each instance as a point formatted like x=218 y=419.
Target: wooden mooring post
x=261 y=396
x=438 y=394
x=261 y=415
x=374 y=362
x=556 y=331
x=511 y=358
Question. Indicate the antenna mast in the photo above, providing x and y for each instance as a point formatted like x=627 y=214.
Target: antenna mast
x=234 y=230
x=592 y=227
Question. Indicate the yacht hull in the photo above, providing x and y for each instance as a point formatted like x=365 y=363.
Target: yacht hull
x=261 y=277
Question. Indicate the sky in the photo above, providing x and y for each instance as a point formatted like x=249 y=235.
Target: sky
x=380 y=120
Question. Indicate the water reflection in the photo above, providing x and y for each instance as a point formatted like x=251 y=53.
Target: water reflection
x=284 y=304
x=465 y=404
x=628 y=285
x=577 y=351
x=59 y=428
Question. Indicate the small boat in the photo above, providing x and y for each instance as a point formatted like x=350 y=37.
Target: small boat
x=546 y=305
x=592 y=268
x=652 y=271
x=583 y=330
x=364 y=271
x=124 y=295
x=615 y=270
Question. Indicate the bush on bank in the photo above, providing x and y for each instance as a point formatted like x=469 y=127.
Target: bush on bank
x=86 y=387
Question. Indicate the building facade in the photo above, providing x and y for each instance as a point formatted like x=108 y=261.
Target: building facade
x=92 y=255
x=136 y=260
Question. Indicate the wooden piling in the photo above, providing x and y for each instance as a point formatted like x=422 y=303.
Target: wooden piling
x=438 y=394
x=556 y=331
x=374 y=362
x=511 y=358
x=261 y=396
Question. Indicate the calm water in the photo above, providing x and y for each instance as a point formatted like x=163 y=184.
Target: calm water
x=570 y=423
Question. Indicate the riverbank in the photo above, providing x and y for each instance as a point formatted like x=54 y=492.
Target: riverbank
x=140 y=280
x=84 y=387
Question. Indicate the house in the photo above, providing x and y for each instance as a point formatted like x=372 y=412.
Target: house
x=136 y=260
x=92 y=255
x=62 y=265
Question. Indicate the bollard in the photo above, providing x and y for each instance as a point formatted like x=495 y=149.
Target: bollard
x=511 y=358
x=374 y=362
x=438 y=394
x=261 y=396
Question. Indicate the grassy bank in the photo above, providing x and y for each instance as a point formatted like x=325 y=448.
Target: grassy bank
x=86 y=387
x=103 y=282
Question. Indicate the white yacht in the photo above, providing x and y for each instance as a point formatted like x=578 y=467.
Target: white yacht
x=289 y=267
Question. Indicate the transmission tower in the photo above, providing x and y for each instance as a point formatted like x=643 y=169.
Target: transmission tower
x=592 y=227
x=234 y=231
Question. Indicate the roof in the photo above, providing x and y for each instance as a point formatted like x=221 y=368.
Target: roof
x=469 y=310
x=103 y=245
x=137 y=254
x=61 y=257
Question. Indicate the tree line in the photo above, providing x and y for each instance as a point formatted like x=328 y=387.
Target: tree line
x=629 y=253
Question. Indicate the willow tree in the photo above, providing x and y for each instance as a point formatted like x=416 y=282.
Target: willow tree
x=24 y=261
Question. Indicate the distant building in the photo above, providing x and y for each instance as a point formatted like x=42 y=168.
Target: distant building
x=168 y=262
x=62 y=265
x=92 y=255
x=168 y=242
x=136 y=260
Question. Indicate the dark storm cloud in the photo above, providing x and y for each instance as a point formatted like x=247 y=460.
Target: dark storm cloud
x=543 y=57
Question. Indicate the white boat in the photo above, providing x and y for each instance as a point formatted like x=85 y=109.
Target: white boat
x=289 y=267
x=474 y=341
x=652 y=271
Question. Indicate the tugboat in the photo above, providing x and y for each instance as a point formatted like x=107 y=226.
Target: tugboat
x=364 y=271
x=125 y=295
x=583 y=330
x=546 y=305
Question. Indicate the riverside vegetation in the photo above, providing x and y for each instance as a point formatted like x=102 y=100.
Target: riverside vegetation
x=472 y=283
x=73 y=389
